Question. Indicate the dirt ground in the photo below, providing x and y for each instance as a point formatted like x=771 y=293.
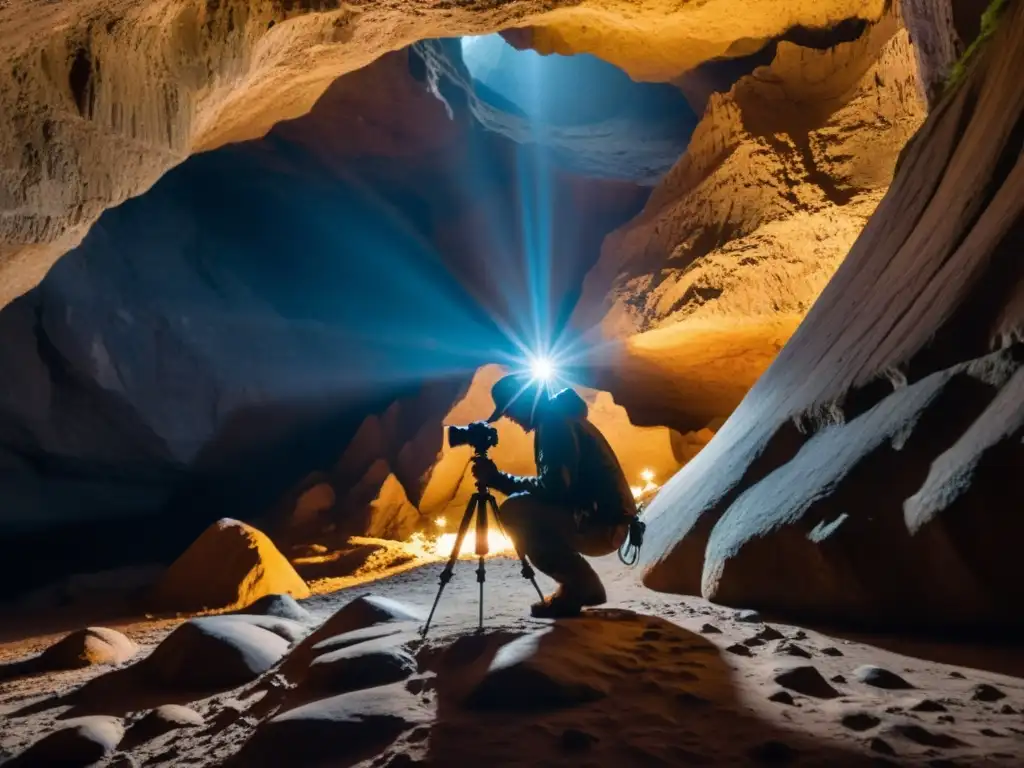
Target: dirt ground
x=672 y=691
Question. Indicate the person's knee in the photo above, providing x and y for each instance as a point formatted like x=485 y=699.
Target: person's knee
x=518 y=514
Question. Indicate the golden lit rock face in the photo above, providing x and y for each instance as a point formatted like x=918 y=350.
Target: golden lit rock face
x=101 y=98
x=741 y=236
x=871 y=474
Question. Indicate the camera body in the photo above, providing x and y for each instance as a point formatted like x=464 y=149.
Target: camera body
x=480 y=436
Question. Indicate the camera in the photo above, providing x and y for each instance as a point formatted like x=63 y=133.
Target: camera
x=479 y=435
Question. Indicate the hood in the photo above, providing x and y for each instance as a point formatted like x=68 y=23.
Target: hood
x=566 y=404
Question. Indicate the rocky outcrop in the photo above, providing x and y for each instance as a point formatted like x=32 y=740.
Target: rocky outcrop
x=230 y=566
x=104 y=99
x=871 y=464
x=738 y=240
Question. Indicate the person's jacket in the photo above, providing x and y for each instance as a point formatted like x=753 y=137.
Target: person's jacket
x=575 y=465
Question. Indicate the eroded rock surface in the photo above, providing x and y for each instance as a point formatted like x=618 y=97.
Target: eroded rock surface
x=738 y=240
x=892 y=379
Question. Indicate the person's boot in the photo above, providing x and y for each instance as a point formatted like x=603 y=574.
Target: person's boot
x=556 y=606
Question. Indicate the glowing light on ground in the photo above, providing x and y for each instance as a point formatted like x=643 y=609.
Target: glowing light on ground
x=423 y=546
x=646 y=491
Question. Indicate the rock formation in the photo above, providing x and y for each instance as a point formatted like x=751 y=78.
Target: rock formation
x=738 y=240
x=874 y=458
x=230 y=566
x=106 y=99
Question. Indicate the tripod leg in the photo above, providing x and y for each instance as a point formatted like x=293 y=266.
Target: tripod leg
x=446 y=574
x=481 y=552
x=527 y=570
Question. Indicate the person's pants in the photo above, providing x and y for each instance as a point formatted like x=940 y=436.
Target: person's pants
x=548 y=535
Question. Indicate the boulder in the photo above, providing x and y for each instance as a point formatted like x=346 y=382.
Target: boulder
x=364 y=665
x=82 y=741
x=351 y=726
x=880 y=678
x=215 y=652
x=88 y=647
x=229 y=566
x=535 y=672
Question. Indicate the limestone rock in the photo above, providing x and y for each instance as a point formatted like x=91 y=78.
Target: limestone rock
x=214 y=652
x=880 y=678
x=282 y=606
x=807 y=680
x=529 y=673
x=986 y=692
x=229 y=566
x=87 y=647
x=899 y=396
x=738 y=240
x=79 y=742
x=163 y=719
x=344 y=726
x=365 y=665
x=250 y=72
x=369 y=618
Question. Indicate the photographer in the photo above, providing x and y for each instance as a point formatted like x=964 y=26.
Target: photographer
x=579 y=503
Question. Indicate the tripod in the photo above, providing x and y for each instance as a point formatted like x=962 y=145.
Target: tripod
x=478 y=505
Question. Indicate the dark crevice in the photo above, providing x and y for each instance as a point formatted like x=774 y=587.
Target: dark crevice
x=80 y=80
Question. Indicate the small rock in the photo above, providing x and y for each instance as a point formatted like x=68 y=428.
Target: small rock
x=79 y=742
x=773 y=752
x=282 y=606
x=366 y=665
x=162 y=720
x=768 y=634
x=831 y=650
x=799 y=635
x=946 y=719
x=748 y=616
x=860 y=721
x=807 y=680
x=992 y=733
x=957 y=675
x=838 y=679
x=753 y=642
x=880 y=678
x=575 y=740
x=881 y=746
x=786 y=648
x=924 y=737
x=710 y=629
x=88 y=647
x=928 y=705
x=986 y=692
x=739 y=649
x=1007 y=710
x=782 y=697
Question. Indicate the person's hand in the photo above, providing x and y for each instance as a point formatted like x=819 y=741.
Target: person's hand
x=485 y=471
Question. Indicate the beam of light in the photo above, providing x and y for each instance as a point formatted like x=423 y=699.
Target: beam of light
x=543 y=369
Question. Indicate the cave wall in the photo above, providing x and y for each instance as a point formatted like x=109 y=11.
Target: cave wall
x=868 y=475
x=734 y=245
x=102 y=99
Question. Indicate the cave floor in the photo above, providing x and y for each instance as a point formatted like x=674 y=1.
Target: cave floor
x=678 y=692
